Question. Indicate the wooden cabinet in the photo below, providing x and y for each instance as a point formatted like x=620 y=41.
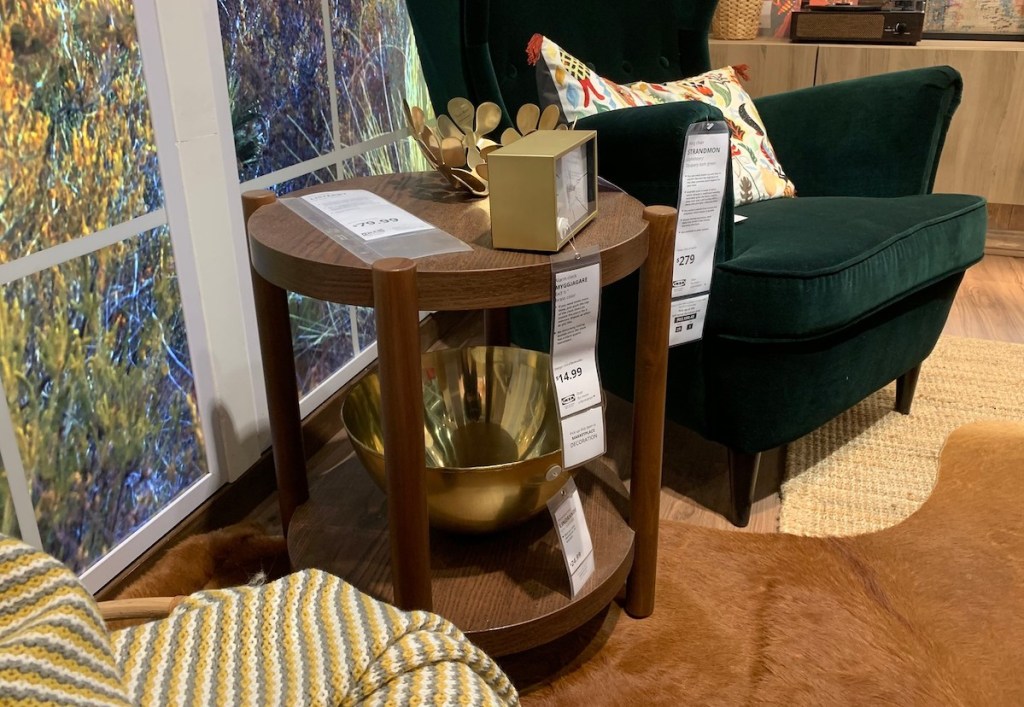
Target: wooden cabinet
x=984 y=151
x=774 y=66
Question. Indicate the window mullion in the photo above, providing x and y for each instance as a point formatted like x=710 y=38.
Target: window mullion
x=204 y=213
x=17 y=482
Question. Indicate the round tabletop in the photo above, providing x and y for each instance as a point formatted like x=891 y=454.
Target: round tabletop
x=293 y=254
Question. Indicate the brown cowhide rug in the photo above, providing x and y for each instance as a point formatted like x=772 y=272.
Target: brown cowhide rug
x=226 y=557
x=928 y=612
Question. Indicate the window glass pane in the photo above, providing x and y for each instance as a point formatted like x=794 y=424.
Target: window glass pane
x=322 y=337
x=320 y=176
x=367 y=328
x=277 y=82
x=376 y=64
x=76 y=144
x=321 y=331
x=8 y=519
x=103 y=406
x=401 y=156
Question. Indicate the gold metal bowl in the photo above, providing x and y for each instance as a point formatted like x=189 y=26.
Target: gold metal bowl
x=493 y=450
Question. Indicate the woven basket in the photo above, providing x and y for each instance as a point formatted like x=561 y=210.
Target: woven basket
x=736 y=19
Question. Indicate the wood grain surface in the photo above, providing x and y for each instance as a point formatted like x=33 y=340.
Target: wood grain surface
x=507 y=591
x=990 y=301
x=651 y=371
x=293 y=254
x=278 y=363
x=775 y=65
x=398 y=356
x=984 y=150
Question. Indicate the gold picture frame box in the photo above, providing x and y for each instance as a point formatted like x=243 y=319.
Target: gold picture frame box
x=525 y=179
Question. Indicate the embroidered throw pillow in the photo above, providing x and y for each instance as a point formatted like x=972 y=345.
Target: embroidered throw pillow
x=757 y=174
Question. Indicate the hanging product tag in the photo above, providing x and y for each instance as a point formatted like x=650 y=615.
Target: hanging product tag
x=371 y=227
x=576 y=301
x=573 y=535
x=701 y=192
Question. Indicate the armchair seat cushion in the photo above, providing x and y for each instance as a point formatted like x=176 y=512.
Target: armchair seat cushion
x=803 y=268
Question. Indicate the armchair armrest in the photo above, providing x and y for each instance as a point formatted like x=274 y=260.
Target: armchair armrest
x=641 y=149
x=873 y=136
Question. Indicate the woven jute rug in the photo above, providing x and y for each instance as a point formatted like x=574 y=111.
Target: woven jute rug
x=927 y=612
x=871 y=467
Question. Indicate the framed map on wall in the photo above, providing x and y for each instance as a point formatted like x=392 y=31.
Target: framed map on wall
x=974 y=19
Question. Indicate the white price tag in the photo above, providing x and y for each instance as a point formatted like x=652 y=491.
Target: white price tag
x=366 y=214
x=573 y=535
x=701 y=189
x=583 y=436
x=687 y=319
x=574 y=339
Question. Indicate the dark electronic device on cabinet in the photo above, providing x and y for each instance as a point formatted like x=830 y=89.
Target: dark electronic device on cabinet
x=895 y=22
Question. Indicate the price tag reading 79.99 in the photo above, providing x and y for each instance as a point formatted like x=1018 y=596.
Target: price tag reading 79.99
x=373 y=222
x=365 y=214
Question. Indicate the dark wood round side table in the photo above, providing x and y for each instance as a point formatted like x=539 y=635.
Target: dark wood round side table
x=507 y=591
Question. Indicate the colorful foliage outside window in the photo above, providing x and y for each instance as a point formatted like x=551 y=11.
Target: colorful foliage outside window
x=93 y=351
x=277 y=82
x=280 y=104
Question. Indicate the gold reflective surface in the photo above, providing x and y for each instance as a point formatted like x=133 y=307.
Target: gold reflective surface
x=490 y=432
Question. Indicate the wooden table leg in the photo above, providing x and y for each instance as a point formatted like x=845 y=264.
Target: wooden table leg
x=278 y=359
x=496 y=327
x=401 y=391
x=653 y=314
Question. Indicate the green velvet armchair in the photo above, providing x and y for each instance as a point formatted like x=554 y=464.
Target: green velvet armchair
x=816 y=302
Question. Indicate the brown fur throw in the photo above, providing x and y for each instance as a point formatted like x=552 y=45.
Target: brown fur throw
x=928 y=612
x=228 y=557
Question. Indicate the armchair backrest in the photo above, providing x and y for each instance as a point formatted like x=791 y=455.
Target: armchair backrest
x=477 y=48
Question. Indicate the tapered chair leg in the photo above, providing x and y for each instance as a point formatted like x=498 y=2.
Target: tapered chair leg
x=905 y=386
x=742 y=479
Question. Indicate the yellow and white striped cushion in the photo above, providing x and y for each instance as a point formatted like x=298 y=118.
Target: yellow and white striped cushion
x=309 y=638
x=54 y=648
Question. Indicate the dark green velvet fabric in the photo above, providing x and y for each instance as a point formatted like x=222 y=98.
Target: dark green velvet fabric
x=484 y=41
x=873 y=136
x=757 y=395
x=816 y=303
x=661 y=130
x=753 y=396
x=811 y=265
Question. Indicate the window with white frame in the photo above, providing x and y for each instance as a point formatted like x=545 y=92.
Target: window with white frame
x=308 y=107
x=131 y=387
x=99 y=422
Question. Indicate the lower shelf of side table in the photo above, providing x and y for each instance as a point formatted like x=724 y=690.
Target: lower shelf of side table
x=507 y=591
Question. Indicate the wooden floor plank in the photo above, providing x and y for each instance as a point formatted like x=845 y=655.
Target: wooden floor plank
x=990 y=303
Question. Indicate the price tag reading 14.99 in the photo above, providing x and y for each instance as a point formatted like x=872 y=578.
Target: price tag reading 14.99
x=571 y=374
x=576 y=302
x=574 y=338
